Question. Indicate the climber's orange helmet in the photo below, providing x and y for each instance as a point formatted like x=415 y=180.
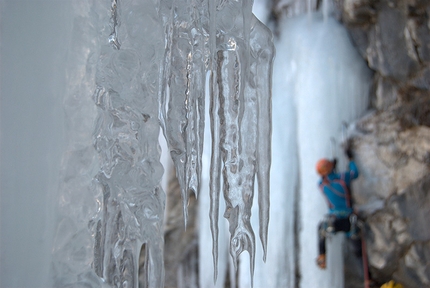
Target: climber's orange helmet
x=324 y=167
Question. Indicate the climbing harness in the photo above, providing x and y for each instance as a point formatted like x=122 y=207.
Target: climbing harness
x=327 y=226
x=357 y=231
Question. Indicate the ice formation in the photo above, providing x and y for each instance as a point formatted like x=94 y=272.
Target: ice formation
x=341 y=95
x=126 y=139
x=153 y=58
x=241 y=125
x=72 y=45
x=183 y=98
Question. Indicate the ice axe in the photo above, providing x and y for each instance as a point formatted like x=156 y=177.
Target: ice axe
x=333 y=152
x=346 y=142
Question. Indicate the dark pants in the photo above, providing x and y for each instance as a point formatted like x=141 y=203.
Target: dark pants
x=334 y=225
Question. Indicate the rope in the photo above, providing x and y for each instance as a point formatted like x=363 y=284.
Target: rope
x=365 y=260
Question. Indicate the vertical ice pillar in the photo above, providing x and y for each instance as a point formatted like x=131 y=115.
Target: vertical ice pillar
x=126 y=139
x=182 y=100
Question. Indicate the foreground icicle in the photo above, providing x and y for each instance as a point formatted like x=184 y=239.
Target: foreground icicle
x=260 y=82
x=185 y=75
x=240 y=51
x=126 y=138
x=241 y=124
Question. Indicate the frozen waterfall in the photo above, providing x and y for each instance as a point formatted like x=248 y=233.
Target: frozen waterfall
x=72 y=145
x=332 y=84
x=320 y=81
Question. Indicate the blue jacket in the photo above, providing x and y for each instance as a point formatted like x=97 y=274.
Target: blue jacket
x=335 y=188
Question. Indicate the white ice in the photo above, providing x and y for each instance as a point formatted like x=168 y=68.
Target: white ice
x=319 y=82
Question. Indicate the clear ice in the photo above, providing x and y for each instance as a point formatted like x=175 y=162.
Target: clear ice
x=241 y=125
x=183 y=98
x=126 y=139
x=227 y=40
x=152 y=60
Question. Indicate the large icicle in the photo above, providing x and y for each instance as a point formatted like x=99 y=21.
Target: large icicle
x=215 y=164
x=126 y=138
x=185 y=76
x=262 y=55
x=241 y=95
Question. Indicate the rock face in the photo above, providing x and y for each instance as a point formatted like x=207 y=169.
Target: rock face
x=392 y=143
x=394 y=196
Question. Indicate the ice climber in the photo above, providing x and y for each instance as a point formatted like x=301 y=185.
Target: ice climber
x=336 y=189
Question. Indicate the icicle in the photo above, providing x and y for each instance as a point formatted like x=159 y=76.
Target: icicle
x=239 y=99
x=234 y=106
x=199 y=33
x=238 y=49
x=126 y=138
x=185 y=77
x=237 y=146
x=113 y=37
x=262 y=55
x=215 y=166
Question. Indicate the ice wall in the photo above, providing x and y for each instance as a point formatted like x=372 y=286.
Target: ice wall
x=330 y=83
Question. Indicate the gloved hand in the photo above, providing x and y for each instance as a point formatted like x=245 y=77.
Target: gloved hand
x=348 y=150
x=348 y=153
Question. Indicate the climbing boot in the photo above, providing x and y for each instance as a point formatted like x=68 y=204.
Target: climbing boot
x=321 y=261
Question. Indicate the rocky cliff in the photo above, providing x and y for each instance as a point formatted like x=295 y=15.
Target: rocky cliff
x=392 y=143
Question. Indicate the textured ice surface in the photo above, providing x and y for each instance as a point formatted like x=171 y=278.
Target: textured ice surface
x=146 y=64
x=182 y=103
x=240 y=124
x=126 y=139
x=111 y=201
x=227 y=40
